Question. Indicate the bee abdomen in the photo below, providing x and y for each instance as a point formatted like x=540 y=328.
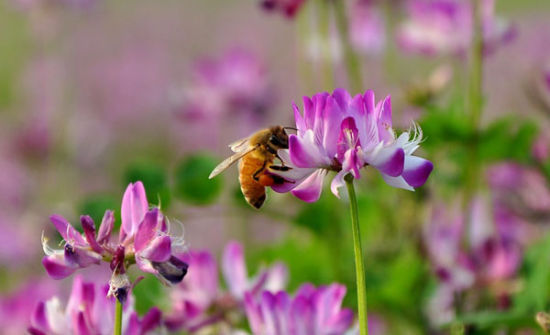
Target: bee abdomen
x=253 y=191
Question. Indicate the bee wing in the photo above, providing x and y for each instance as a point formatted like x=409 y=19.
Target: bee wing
x=230 y=161
x=239 y=145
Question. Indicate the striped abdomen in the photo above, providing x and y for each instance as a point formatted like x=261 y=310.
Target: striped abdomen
x=253 y=191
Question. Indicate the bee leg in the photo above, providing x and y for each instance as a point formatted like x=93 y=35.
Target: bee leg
x=280 y=168
x=260 y=170
x=278 y=157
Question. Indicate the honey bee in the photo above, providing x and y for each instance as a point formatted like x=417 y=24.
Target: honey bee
x=256 y=154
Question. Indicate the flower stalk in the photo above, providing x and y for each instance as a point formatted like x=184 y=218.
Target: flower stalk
x=475 y=102
x=118 y=318
x=359 y=261
x=351 y=59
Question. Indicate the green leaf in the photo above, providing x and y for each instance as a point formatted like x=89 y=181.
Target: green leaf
x=149 y=292
x=535 y=296
x=192 y=183
x=154 y=179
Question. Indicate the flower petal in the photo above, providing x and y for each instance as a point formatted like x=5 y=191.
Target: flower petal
x=389 y=160
x=146 y=230
x=398 y=182
x=234 y=269
x=337 y=182
x=106 y=227
x=134 y=207
x=89 y=232
x=158 y=250
x=416 y=170
x=310 y=189
x=57 y=268
x=66 y=230
x=304 y=152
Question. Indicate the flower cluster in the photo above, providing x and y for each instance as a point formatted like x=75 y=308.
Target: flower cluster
x=446 y=27
x=494 y=240
x=88 y=311
x=312 y=311
x=341 y=133
x=367 y=28
x=198 y=302
x=144 y=239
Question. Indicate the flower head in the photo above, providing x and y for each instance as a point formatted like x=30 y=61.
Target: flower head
x=88 y=311
x=144 y=239
x=341 y=133
x=199 y=302
x=312 y=311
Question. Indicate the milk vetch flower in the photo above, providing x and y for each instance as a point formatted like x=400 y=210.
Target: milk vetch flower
x=341 y=133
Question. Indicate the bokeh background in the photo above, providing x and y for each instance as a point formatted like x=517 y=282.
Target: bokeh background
x=96 y=94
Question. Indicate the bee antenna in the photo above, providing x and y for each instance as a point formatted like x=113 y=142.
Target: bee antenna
x=291 y=128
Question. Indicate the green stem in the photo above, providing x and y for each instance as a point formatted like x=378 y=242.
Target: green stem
x=326 y=59
x=353 y=66
x=118 y=318
x=475 y=104
x=359 y=262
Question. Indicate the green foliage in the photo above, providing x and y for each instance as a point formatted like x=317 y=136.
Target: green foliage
x=148 y=293
x=154 y=179
x=192 y=183
x=323 y=217
x=507 y=139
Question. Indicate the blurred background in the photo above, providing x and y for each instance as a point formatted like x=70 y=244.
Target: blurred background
x=96 y=94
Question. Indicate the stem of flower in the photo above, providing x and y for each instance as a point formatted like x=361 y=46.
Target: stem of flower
x=353 y=66
x=118 y=318
x=475 y=104
x=359 y=262
x=324 y=30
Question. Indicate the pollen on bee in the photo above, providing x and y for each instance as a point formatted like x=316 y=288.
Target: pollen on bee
x=266 y=180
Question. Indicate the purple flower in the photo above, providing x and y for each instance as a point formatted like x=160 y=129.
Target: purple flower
x=199 y=302
x=521 y=189
x=344 y=134
x=367 y=28
x=446 y=27
x=89 y=311
x=17 y=306
x=144 y=239
x=312 y=311
x=234 y=87
x=288 y=7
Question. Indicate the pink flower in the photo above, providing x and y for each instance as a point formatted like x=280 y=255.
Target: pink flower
x=367 y=28
x=88 y=311
x=446 y=27
x=144 y=239
x=198 y=301
x=339 y=133
x=312 y=311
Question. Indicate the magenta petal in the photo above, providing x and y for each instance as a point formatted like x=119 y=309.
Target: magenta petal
x=39 y=318
x=303 y=151
x=146 y=230
x=158 y=250
x=310 y=189
x=81 y=327
x=389 y=160
x=253 y=314
x=89 y=232
x=417 y=170
x=57 y=268
x=106 y=227
x=234 y=269
x=134 y=207
x=66 y=230
x=151 y=320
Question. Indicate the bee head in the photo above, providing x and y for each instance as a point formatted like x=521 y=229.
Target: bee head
x=278 y=138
